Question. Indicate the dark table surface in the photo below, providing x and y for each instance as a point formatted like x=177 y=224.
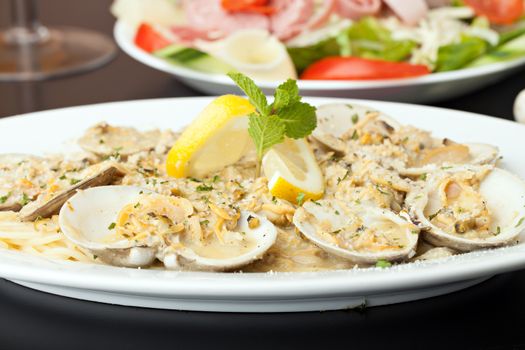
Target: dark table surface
x=488 y=316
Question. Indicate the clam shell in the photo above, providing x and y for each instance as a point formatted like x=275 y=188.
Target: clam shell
x=52 y=207
x=86 y=220
x=326 y=209
x=335 y=120
x=480 y=154
x=504 y=194
x=265 y=235
x=105 y=140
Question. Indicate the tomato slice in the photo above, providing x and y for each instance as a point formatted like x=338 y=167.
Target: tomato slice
x=498 y=11
x=148 y=39
x=258 y=6
x=355 y=68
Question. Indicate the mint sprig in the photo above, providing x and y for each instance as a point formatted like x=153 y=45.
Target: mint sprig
x=287 y=116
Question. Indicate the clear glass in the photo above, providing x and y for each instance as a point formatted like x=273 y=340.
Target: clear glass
x=31 y=51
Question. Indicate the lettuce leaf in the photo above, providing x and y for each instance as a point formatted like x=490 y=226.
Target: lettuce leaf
x=365 y=38
x=455 y=56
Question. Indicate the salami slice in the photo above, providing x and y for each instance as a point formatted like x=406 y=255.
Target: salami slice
x=291 y=17
x=208 y=15
x=410 y=12
x=355 y=9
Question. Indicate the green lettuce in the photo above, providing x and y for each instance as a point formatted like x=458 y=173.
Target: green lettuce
x=365 y=38
x=454 y=56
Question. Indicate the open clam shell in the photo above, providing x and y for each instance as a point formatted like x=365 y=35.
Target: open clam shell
x=496 y=219
x=443 y=157
x=105 y=140
x=35 y=210
x=87 y=219
x=93 y=219
x=255 y=241
x=335 y=120
x=351 y=231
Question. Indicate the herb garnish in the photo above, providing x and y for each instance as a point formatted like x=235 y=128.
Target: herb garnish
x=300 y=198
x=204 y=188
x=3 y=199
x=286 y=116
x=25 y=199
x=423 y=176
x=74 y=181
x=520 y=222
x=383 y=264
x=112 y=226
x=355 y=118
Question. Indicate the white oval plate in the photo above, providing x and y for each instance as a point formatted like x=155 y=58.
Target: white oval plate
x=56 y=130
x=433 y=87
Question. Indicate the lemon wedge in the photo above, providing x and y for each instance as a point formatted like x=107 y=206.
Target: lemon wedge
x=293 y=172
x=217 y=138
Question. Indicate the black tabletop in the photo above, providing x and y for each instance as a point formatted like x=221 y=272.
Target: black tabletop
x=488 y=316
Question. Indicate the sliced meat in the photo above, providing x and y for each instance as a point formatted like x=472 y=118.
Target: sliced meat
x=410 y=12
x=322 y=14
x=187 y=35
x=438 y=3
x=291 y=17
x=208 y=15
x=355 y=9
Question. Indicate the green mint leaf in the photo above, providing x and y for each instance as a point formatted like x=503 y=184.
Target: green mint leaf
x=300 y=119
x=255 y=95
x=286 y=94
x=265 y=132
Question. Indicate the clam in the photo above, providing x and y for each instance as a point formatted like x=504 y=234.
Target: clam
x=130 y=226
x=469 y=208
x=105 y=140
x=88 y=219
x=245 y=244
x=357 y=232
x=448 y=154
x=335 y=122
x=38 y=209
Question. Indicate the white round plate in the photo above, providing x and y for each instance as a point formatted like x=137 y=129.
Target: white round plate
x=433 y=87
x=56 y=130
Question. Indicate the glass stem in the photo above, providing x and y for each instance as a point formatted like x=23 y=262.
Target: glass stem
x=25 y=28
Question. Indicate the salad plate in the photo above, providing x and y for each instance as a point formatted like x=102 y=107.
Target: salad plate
x=253 y=292
x=429 y=88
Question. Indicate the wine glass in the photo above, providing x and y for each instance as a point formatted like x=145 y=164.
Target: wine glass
x=31 y=51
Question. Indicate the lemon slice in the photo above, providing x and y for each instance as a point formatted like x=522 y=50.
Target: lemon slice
x=293 y=172
x=217 y=138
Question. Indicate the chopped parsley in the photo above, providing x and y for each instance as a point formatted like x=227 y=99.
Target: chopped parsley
x=25 y=199
x=300 y=198
x=74 y=181
x=4 y=199
x=344 y=177
x=355 y=118
x=216 y=178
x=194 y=179
x=63 y=177
x=381 y=191
x=498 y=231
x=274 y=200
x=423 y=177
x=112 y=226
x=383 y=264
x=204 y=188
x=205 y=222
x=520 y=222
x=337 y=212
x=317 y=203
x=355 y=136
